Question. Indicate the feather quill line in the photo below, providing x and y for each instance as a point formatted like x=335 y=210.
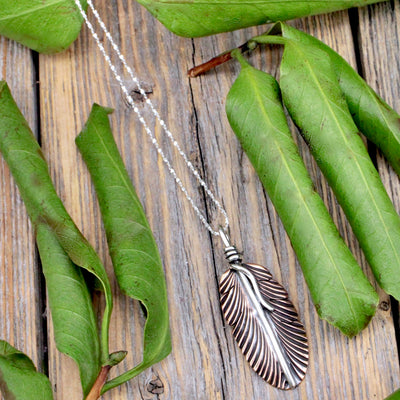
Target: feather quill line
x=265 y=323
x=265 y=304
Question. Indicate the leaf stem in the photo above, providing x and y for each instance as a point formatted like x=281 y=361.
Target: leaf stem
x=269 y=39
x=226 y=56
x=220 y=59
x=238 y=55
x=104 y=337
x=126 y=376
x=95 y=391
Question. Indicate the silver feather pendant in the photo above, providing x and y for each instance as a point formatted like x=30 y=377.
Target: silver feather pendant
x=265 y=323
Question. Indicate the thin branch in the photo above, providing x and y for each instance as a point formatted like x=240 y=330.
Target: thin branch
x=101 y=379
x=218 y=60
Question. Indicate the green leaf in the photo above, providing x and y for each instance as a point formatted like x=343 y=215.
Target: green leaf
x=61 y=245
x=341 y=293
x=75 y=327
x=192 y=18
x=316 y=103
x=19 y=379
x=47 y=26
x=394 y=396
x=375 y=119
x=131 y=244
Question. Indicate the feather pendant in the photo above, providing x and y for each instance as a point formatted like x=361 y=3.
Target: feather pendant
x=265 y=323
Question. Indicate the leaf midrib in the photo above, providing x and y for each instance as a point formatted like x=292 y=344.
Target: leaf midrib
x=160 y=346
x=120 y=173
x=31 y=10
x=340 y=129
x=283 y=156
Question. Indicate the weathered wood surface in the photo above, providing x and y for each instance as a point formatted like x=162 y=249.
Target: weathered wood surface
x=21 y=306
x=205 y=362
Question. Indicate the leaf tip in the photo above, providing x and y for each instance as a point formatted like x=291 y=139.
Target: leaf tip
x=3 y=86
x=98 y=107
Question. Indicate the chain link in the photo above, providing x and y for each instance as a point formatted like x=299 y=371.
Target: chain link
x=148 y=103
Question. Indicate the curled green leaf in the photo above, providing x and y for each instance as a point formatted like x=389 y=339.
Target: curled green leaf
x=313 y=97
x=341 y=293
x=47 y=26
x=62 y=247
x=19 y=379
x=193 y=18
x=133 y=250
x=373 y=116
x=75 y=327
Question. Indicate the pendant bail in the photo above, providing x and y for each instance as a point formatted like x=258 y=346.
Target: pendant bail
x=231 y=252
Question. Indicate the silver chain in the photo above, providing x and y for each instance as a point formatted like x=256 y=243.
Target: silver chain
x=148 y=103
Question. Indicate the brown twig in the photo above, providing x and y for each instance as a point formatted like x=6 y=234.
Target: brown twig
x=218 y=60
x=101 y=379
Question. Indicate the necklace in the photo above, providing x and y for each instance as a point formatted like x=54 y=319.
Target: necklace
x=264 y=321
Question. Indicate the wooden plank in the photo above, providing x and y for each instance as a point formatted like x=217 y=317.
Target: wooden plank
x=20 y=303
x=379 y=34
x=205 y=363
x=66 y=98
x=379 y=39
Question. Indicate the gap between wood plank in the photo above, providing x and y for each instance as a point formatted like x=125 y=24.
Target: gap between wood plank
x=207 y=213
x=355 y=25
x=41 y=284
x=394 y=304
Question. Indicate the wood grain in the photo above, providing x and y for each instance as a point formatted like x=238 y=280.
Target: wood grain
x=379 y=44
x=20 y=295
x=379 y=37
x=205 y=362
